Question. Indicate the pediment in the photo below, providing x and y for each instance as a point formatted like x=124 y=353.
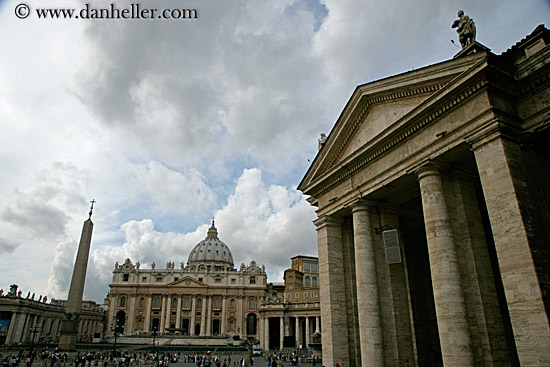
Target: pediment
x=188 y=282
x=377 y=107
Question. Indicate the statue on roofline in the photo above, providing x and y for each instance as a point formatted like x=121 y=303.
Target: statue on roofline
x=466 y=29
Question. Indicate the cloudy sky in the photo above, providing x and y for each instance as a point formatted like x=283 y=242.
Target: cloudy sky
x=169 y=124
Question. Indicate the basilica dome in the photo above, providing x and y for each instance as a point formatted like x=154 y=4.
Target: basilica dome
x=211 y=251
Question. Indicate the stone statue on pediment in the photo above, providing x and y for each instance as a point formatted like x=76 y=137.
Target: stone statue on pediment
x=138 y=265
x=153 y=265
x=466 y=29
x=321 y=141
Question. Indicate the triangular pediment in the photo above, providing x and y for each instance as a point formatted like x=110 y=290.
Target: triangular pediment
x=187 y=282
x=377 y=107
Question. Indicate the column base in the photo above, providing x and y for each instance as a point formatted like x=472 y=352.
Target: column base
x=68 y=335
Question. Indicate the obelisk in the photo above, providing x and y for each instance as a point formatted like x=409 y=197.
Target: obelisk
x=69 y=325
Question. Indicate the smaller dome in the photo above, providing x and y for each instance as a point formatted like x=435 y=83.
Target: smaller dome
x=211 y=250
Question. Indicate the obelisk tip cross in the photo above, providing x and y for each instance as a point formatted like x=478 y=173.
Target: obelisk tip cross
x=91 y=208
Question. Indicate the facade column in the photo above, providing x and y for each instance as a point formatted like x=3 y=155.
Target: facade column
x=306 y=342
x=513 y=217
x=266 y=333
x=203 y=316
x=452 y=322
x=282 y=332
x=368 y=301
x=297 y=331
x=209 y=316
x=224 y=316
x=240 y=315
x=178 y=312
x=163 y=314
x=129 y=329
x=261 y=331
x=193 y=314
x=147 y=324
x=167 y=315
x=332 y=292
x=317 y=323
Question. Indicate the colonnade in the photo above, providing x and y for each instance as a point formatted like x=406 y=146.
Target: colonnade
x=304 y=328
x=29 y=328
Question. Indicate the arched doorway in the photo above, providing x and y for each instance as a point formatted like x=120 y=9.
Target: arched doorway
x=251 y=321
x=198 y=329
x=155 y=324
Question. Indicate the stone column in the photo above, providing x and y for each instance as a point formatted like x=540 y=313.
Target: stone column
x=317 y=323
x=282 y=333
x=224 y=316
x=129 y=329
x=193 y=314
x=240 y=314
x=297 y=332
x=163 y=314
x=147 y=325
x=266 y=332
x=261 y=331
x=168 y=314
x=332 y=292
x=306 y=342
x=452 y=322
x=178 y=312
x=209 y=316
x=511 y=211
x=203 y=317
x=368 y=301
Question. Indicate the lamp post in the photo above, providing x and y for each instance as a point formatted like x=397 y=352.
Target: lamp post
x=117 y=329
x=155 y=333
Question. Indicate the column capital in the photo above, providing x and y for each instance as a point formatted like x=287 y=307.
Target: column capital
x=327 y=220
x=427 y=168
x=362 y=205
x=491 y=131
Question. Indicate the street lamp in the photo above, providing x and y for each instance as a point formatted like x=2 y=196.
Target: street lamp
x=155 y=333
x=117 y=329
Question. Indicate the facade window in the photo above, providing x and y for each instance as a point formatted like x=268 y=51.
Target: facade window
x=200 y=279
x=199 y=303
x=159 y=279
x=141 y=302
x=176 y=278
x=290 y=278
x=252 y=303
x=308 y=281
x=307 y=267
x=157 y=302
x=122 y=301
x=125 y=277
x=305 y=295
x=217 y=280
x=297 y=297
x=252 y=280
x=232 y=303
x=312 y=294
x=314 y=267
x=233 y=281
x=144 y=279
x=187 y=302
x=314 y=281
x=174 y=302
x=217 y=303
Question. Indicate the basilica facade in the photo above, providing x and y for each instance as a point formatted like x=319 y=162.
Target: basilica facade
x=206 y=297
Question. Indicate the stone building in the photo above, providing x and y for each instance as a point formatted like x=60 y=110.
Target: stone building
x=207 y=297
x=290 y=314
x=433 y=204
x=30 y=320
